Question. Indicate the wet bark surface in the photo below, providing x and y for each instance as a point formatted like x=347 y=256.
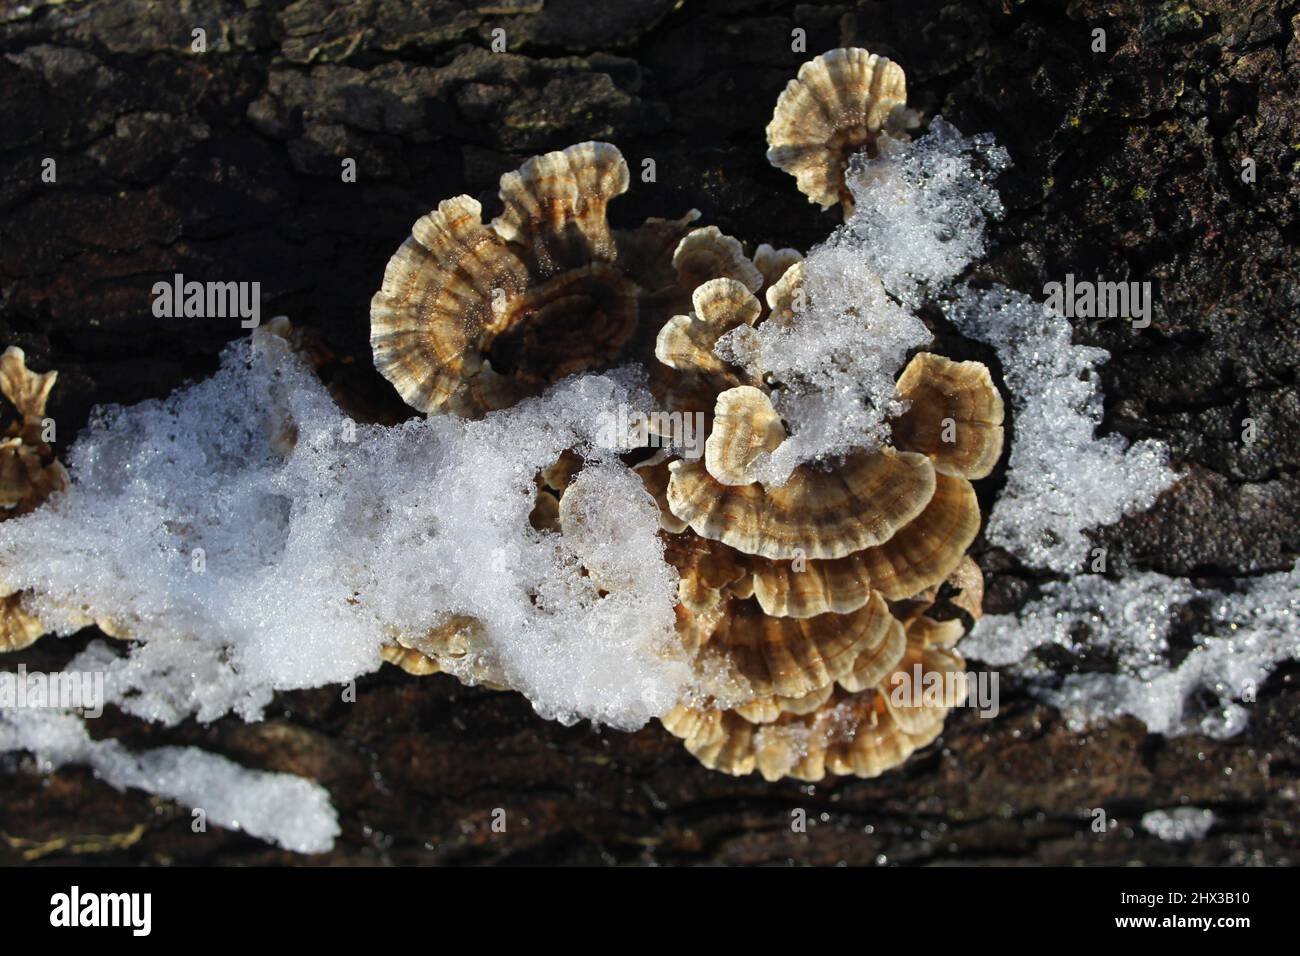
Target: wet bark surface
x=225 y=165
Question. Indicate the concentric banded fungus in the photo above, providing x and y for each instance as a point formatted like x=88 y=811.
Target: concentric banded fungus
x=839 y=104
x=765 y=656
x=707 y=254
x=833 y=729
x=919 y=555
x=877 y=531
x=955 y=416
x=472 y=318
x=686 y=342
x=745 y=429
x=816 y=514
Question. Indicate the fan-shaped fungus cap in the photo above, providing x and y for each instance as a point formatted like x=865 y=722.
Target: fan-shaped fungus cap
x=746 y=429
x=555 y=206
x=784 y=296
x=706 y=253
x=766 y=710
x=446 y=292
x=840 y=103
x=26 y=390
x=686 y=342
x=955 y=415
x=473 y=317
x=816 y=514
x=704 y=569
x=789 y=657
x=919 y=555
x=860 y=733
x=773 y=263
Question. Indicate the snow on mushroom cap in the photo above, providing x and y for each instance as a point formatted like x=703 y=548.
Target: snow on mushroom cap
x=746 y=429
x=840 y=103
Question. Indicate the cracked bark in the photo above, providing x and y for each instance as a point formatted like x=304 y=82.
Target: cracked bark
x=225 y=165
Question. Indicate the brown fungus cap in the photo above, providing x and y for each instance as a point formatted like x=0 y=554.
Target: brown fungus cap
x=861 y=733
x=955 y=415
x=686 y=342
x=409 y=660
x=473 y=317
x=746 y=429
x=705 y=568
x=555 y=206
x=788 y=657
x=446 y=294
x=18 y=629
x=921 y=554
x=818 y=513
x=839 y=104
x=773 y=263
x=706 y=253
x=29 y=472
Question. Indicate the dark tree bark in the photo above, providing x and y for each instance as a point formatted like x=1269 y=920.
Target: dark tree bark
x=226 y=164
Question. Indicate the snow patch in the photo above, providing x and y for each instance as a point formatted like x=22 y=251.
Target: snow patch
x=279 y=807
x=1128 y=623
x=1061 y=478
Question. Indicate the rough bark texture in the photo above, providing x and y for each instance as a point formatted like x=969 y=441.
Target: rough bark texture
x=226 y=165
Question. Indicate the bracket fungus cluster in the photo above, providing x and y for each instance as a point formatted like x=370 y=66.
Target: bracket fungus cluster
x=811 y=590
x=471 y=317
x=805 y=604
